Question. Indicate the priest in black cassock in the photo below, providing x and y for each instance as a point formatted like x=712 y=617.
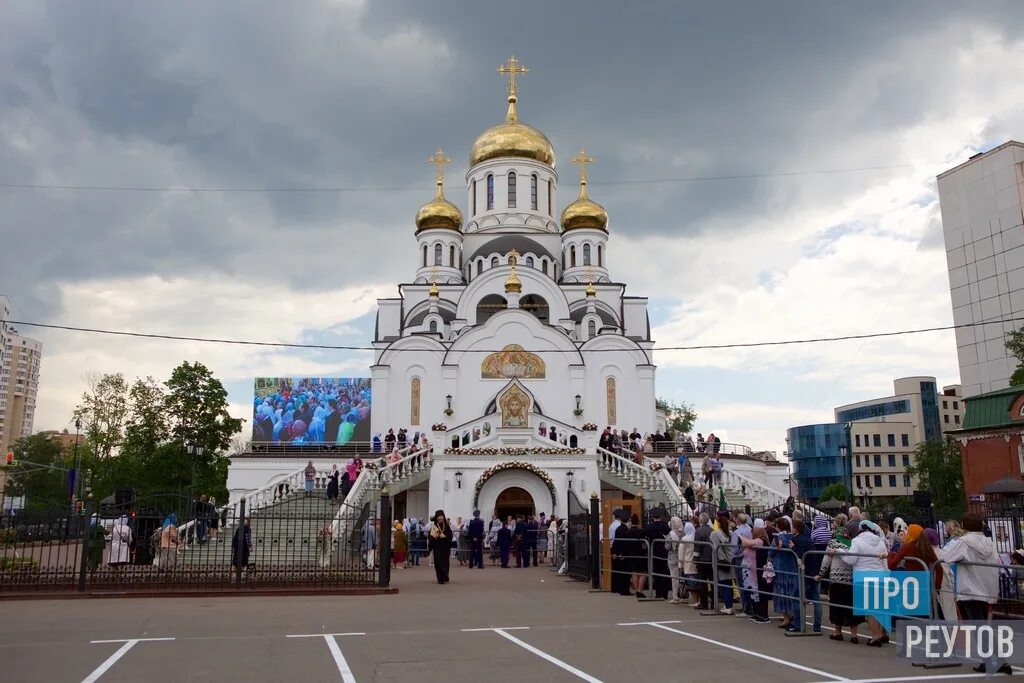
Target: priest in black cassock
x=440 y=544
x=656 y=531
x=476 y=541
x=621 y=570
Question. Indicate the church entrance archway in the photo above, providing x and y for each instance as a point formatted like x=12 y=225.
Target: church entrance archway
x=514 y=501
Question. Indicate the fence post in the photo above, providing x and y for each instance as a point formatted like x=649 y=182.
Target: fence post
x=86 y=532
x=595 y=542
x=239 y=550
x=385 y=538
x=801 y=583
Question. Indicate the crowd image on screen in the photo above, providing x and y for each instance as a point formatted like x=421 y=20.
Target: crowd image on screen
x=309 y=410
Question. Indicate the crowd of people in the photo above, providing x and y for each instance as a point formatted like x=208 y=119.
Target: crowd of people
x=519 y=540
x=756 y=563
x=311 y=410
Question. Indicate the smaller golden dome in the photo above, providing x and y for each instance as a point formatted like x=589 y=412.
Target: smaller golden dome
x=512 y=284
x=439 y=212
x=584 y=212
x=590 y=290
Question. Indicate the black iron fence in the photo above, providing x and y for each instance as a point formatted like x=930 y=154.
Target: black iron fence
x=166 y=543
x=578 y=553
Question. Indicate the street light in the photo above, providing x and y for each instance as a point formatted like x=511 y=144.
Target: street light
x=842 y=461
x=569 y=475
x=195 y=452
x=449 y=399
x=458 y=479
x=78 y=462
x=578 y=399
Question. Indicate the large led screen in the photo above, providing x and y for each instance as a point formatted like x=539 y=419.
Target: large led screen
x=307 y=410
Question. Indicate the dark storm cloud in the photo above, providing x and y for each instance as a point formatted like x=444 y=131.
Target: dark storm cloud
x=321 y=94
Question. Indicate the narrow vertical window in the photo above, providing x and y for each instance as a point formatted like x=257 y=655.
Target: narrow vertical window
x=479 y=266
x=586 y=254
x=490 y=191
x=424 y=256
x=551 y=200
x=473 y=200
x=544 y=266
x=511 y=189
x=600 y=256
x=494 y=262
x=529 y=262
x=572 y=256
x=533 y=192
x=437 y=254
x=451 y=256
x=591 y=329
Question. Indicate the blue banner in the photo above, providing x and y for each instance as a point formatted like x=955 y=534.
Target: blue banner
x=885 y=594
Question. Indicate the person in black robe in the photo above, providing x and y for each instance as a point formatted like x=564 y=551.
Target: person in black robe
x=504 y=544
x=519 y=546
x=656 y=532
x=620 y=555
x=532 y=533
x=241 y=546
x=638 y=555
x=332 y=485
x=475 y=531
x=440 y=544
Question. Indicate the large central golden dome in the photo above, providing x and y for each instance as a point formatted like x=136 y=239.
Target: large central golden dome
x=512 y=139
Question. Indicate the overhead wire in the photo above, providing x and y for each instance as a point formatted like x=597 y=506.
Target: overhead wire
x=342 y=347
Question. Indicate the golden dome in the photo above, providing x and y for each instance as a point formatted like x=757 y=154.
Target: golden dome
x=439 y=212
x=512 y=139
x=512 y=284
x=584 y=212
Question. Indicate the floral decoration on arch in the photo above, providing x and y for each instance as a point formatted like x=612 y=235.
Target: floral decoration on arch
x=514 y=465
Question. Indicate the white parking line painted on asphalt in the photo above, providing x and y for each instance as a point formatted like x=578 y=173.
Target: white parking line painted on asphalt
x=129 y=640
x=544 y=655
x=324 y=635
x=339 y=659
x=495 y=628
x=109 y=662
x=908 y=679
x=745 y=651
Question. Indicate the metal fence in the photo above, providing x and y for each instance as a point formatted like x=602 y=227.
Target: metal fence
x=167 y=544
x=578 y=552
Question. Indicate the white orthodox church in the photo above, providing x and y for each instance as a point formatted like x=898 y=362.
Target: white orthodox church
x=511 y=348
x=513 y=326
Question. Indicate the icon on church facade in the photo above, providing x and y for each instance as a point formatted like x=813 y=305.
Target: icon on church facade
x=513 y=362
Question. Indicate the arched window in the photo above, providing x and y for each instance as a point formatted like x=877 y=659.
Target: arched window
x=600 y=256
x=451 y=256
x=544 y=265
x=437 y=254
x=586 y=254
x=490 y=191
x=494 y=262
x=433 y=326
x=424 y=256
x=479 y=266
x=488 y=306
x=591 y=329
x=533 y=192
x=511 y=189
x=551 y=200
x=572 y=256
x=473 y=194
x=537 y=305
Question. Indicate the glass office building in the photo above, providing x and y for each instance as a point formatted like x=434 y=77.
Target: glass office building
x=816 y=459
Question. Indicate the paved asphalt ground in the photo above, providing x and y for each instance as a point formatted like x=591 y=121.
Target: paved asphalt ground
x=492 y=625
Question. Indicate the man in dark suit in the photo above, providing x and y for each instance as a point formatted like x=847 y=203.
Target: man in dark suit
x=475 y=531
x=522 y=550
x=532 y=529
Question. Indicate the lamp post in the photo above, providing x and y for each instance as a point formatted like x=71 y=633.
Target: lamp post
x=569 y=476
x=578 y=399
x=78 y=462
x=195 y=451
x=458 y=479
x=448 y=398
x=842 y=461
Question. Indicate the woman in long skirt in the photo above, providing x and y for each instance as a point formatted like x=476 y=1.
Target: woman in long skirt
x=440 y=545
x=332 y=485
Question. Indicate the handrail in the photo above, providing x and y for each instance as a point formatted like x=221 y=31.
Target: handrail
x=628 y=469
x=755 y=490
x=371 y=476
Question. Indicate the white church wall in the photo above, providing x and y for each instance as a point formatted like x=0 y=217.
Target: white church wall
x=635 y=312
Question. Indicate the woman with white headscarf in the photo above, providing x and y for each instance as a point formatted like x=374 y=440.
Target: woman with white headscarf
x=120 y=543
x=687 y=563
x=675 y=564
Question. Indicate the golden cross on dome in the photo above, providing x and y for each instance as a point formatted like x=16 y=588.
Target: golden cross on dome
x=512 y=67
x=440 y=159
x=513 y=258
x=582 y=159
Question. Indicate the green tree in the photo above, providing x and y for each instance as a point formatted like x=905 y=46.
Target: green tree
x=1015 y=345
x=681 y=416
x=837 y=491
x=939 y=470
x=40 y=473
x=103 y=412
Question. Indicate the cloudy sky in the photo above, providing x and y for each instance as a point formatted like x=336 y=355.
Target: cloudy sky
x=350 y=94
